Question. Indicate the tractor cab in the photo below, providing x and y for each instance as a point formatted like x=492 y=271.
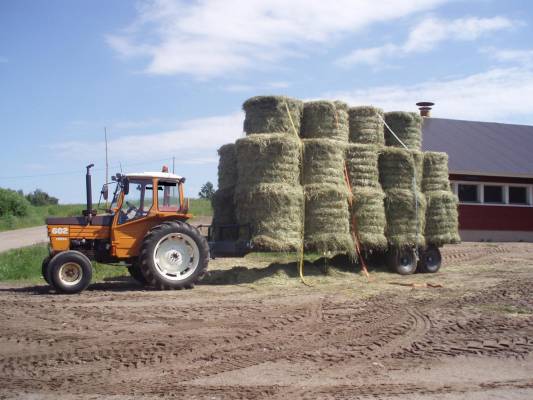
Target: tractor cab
x=144 y=227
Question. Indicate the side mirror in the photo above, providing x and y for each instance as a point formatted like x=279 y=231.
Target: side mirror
x=126 y=186
x=105 y=192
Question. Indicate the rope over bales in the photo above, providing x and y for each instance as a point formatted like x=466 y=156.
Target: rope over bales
x=407 y=126
x=325 y=120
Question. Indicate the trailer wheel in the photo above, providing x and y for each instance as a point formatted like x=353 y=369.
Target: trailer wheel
x=45 y=271
x=70 y=272
x=402 y=261
x=136 y=273
x=174 y=255
x=430 y=260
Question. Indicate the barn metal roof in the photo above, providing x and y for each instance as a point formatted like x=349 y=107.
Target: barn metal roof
x=481 y=148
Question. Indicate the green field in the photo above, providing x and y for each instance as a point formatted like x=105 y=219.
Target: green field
x=37 y=215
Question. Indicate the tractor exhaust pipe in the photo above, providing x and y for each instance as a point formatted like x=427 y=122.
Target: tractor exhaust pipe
x=88 y=187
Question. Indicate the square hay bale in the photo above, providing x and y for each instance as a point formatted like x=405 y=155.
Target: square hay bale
x=407 y=126
x=327 y=228
x=403 y=222
x=323 y=161
x=435 y=175
x=362 y=165
x=223 y=210
x=227 y=166
x=397 y=166
x=442 y=225
x=268 y=158
x=325 y=120
x=275 y=214
x=268 y=114
x=368 y=217
x=366 y=126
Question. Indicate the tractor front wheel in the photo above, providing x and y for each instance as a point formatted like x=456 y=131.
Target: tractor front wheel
x=174 y=255
x=70 y=272
x=45 y=271
x=136 y=273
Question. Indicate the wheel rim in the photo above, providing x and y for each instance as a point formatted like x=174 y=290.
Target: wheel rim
x=70 y=273
x=432 y=258
x=406 y=262
x=176 y=256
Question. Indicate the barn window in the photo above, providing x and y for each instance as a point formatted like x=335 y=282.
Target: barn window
x=467 y=193
x=493 y=194
x=517 y=195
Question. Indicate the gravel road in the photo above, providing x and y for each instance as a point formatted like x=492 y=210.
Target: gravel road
x=22 y=237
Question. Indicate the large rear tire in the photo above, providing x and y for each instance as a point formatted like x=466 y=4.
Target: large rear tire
x=430 y=260
x=174 y=255
x=70 y=272
x=402 y=261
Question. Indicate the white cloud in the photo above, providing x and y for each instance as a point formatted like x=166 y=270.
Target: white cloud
x=503 y=95
x=211 y=37
x=193 y=141
x=522 y=56
x=426 y=35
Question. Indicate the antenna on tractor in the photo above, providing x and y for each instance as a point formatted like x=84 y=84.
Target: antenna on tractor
x=106 y=165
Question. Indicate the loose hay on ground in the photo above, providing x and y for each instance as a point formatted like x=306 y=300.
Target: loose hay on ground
x=325 y=120
x=362 y=165
x=403 y=222
x=323 y=161
x=275 y=214
x=269 y=158
x=435 y=176
x=366 y=126
x=407 y=126
x=397 y=166
x=369 y=212
x=268 y=114
x=441 y=218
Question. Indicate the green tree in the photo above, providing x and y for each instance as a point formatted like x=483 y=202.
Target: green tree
x=207 y=191
x=40 y=198
x=12 y=203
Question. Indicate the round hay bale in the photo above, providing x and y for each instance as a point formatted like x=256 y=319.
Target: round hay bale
x=325 y=120
x=269 y=158
x=400 y=211
x=227 y=166
x=327 y=228
x=223 y=211
x=323 y=161
x=397 y=166
x=366 y=126
x=368 y=216
x=275 y=214
x=268 y=114
x=435 y=175
x=362 y=165
x=407 y=126
x=442 y=225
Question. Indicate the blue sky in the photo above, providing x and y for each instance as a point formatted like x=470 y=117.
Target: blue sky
x=167 y=78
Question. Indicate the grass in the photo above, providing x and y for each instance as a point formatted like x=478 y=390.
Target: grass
x=37 y=215
x=24 y=264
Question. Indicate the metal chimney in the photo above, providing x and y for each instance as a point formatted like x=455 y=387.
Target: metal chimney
x=425 y=108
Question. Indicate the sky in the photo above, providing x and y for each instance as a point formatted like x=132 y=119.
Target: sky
x=167 y=78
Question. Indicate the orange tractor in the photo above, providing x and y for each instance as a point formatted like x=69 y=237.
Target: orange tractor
x=145 y=227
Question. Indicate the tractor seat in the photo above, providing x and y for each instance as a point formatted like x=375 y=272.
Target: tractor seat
x=98 y=220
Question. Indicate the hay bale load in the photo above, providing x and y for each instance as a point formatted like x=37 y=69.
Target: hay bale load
x=362 y=165
x=268 y=114
x=441 y=214
x=366 y=125
x=223 y=199
x=325 y=120
x=327 y=228
x=405 y=205
x=268 y=195
x=407 y=126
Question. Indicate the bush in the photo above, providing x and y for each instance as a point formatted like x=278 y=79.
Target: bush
x=40 y=198
x=12 y=203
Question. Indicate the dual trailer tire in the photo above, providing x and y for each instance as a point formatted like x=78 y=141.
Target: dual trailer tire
x=404 y=262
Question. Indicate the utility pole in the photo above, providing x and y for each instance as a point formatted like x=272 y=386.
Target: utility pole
x=106 y=166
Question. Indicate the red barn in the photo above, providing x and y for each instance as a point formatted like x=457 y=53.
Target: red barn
x=491 y=172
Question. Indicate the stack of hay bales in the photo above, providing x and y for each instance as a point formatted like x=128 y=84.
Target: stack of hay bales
x=405 y=205
x=441 y=214
x=325 y=136
x=268 y=195
x=367 y=212
x=223 y=200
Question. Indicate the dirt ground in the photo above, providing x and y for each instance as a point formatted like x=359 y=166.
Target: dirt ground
x=261 y=334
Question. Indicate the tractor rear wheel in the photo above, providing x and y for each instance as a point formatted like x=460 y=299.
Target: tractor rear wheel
x=174 y=255
x=402 y=261
x=430 y=260
x=136 y=273
x=70 y=272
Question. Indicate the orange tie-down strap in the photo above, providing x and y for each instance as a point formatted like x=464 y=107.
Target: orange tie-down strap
x=355 y=237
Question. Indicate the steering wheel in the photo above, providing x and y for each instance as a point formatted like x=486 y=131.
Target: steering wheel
x=131 y=208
